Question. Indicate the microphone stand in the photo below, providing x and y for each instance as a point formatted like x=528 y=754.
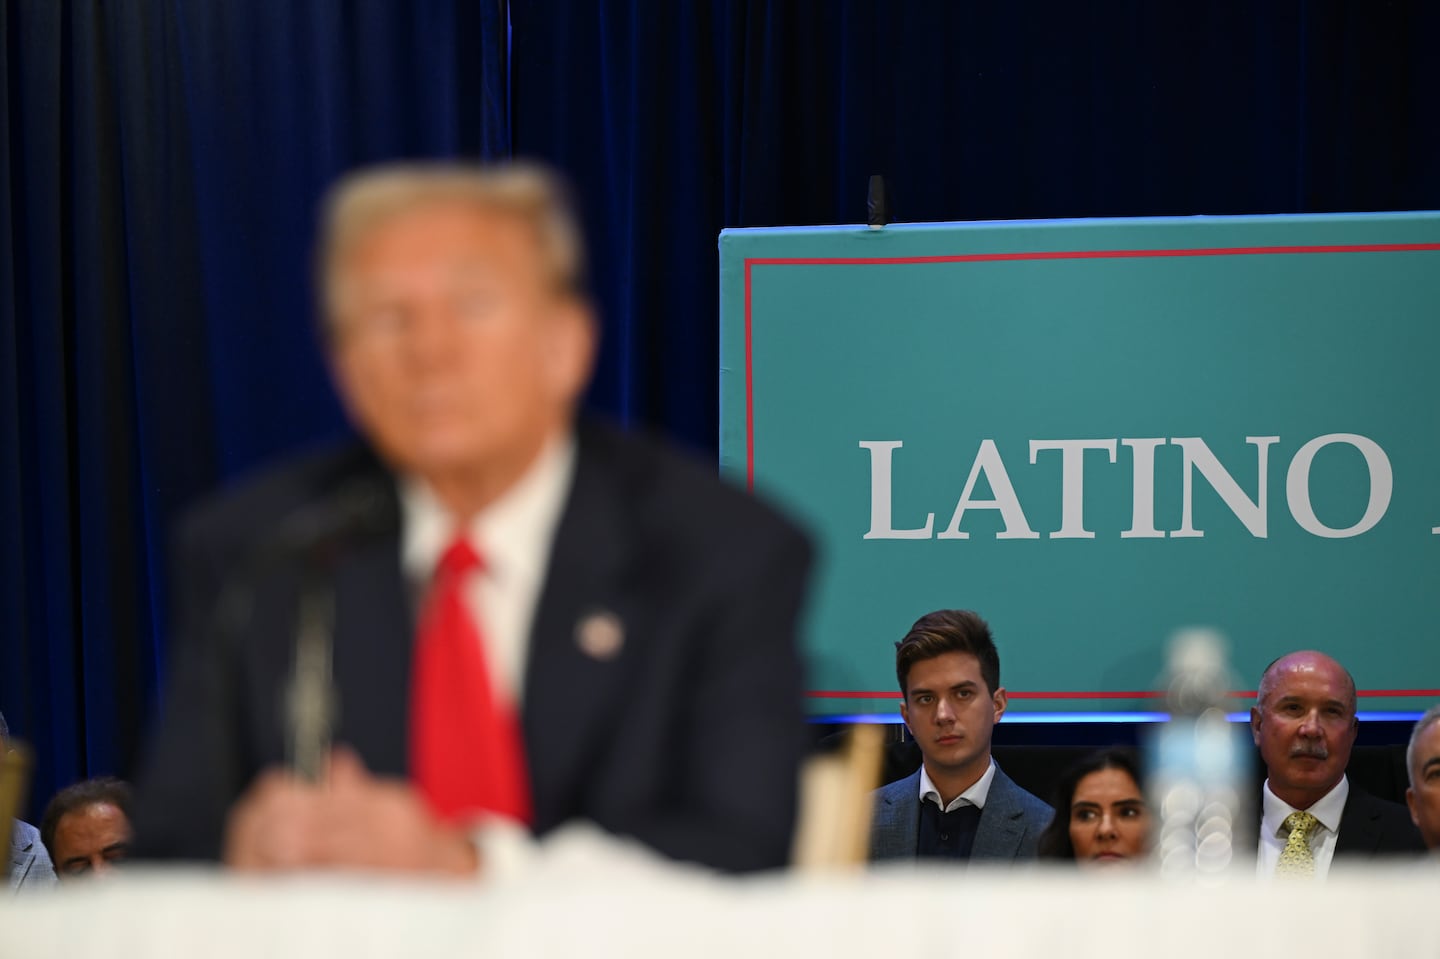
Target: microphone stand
x=311 y=540
x=311 y=701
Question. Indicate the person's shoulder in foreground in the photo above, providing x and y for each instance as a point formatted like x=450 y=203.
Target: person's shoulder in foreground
x=705 y=518
x=30 y=866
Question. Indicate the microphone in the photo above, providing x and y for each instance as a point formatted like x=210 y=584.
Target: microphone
x=313 y=533
x=309 y=540
x=317 y=535
x=877 y=203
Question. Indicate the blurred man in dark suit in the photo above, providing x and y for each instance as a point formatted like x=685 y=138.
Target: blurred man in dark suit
x=536 y=618
x=1305 y=725
x=1422 y=760
x=959 y=805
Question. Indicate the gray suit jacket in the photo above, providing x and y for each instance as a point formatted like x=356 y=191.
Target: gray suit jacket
x=1010 y=824
x=30 y=866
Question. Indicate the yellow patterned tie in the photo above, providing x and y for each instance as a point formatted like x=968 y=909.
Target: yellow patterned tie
x=1296 y=860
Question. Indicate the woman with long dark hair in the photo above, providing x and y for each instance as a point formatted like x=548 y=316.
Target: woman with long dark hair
x=1101 y=817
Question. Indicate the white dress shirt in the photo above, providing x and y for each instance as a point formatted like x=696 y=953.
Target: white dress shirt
x=974 y=796
x=1273 y=836
x=513 y=537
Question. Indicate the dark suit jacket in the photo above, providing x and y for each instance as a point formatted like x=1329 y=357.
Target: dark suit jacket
x=688 y=739
x=1371 y=827
x=1010 y=824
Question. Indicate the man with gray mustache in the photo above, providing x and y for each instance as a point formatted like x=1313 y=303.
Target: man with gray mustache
x=1305 y=725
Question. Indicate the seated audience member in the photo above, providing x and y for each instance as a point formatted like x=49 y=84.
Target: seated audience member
x=538 y=619
x=959 y=804
x=86 y=827
x=1422 y=759
x=1101 y=818
x=1304 y=723
x=29 y=864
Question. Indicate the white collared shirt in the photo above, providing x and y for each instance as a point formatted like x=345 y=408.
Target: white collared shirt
x=513 y=536
x=1273 y=836
x=974 y=796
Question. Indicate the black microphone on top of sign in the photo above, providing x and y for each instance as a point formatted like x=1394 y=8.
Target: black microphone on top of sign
x=877 y=203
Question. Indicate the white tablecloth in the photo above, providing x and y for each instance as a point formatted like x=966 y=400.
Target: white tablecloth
x=589 y=901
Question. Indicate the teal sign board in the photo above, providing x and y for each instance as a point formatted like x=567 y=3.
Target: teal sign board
x=1096 y=432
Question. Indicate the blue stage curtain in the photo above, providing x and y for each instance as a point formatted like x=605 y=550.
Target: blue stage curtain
x=161 y=165
x=162 y=160
x=678 y=119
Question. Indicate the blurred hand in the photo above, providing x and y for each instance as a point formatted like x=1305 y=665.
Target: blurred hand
x=275 y=825
x=354 y=821
x=374 y=823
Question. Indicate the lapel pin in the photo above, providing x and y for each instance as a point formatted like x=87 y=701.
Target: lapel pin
x=600 y=635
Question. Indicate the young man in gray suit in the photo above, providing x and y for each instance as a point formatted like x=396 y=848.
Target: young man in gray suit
x=959 y=805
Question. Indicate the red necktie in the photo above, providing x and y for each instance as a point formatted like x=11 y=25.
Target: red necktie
x=466 y=753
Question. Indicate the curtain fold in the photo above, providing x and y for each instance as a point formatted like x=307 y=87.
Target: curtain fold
x=160 y=170
x=678 y=120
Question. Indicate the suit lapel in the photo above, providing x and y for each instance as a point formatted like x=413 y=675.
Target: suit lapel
x=573 y=686
x=1359 y=826
x=904 y=831
x=1001 y=829
x=895 y=821
x=19 y=854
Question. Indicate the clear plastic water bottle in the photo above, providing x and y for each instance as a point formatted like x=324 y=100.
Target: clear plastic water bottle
x=1198 y=765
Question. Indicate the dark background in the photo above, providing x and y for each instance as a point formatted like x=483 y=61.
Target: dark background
x=162 y=158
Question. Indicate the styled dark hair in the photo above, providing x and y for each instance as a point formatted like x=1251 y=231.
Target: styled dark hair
x=1054 y=842
x=103 y=789
x=948 y=631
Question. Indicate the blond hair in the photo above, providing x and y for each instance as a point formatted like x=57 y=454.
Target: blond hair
x=366 y=198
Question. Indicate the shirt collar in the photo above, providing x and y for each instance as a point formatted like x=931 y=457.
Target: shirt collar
x=512 y=534
x=975 y=796
x=1327 y=808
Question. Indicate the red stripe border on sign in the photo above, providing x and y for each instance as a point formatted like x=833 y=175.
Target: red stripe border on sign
x=752 y=262
x=1097 y=694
